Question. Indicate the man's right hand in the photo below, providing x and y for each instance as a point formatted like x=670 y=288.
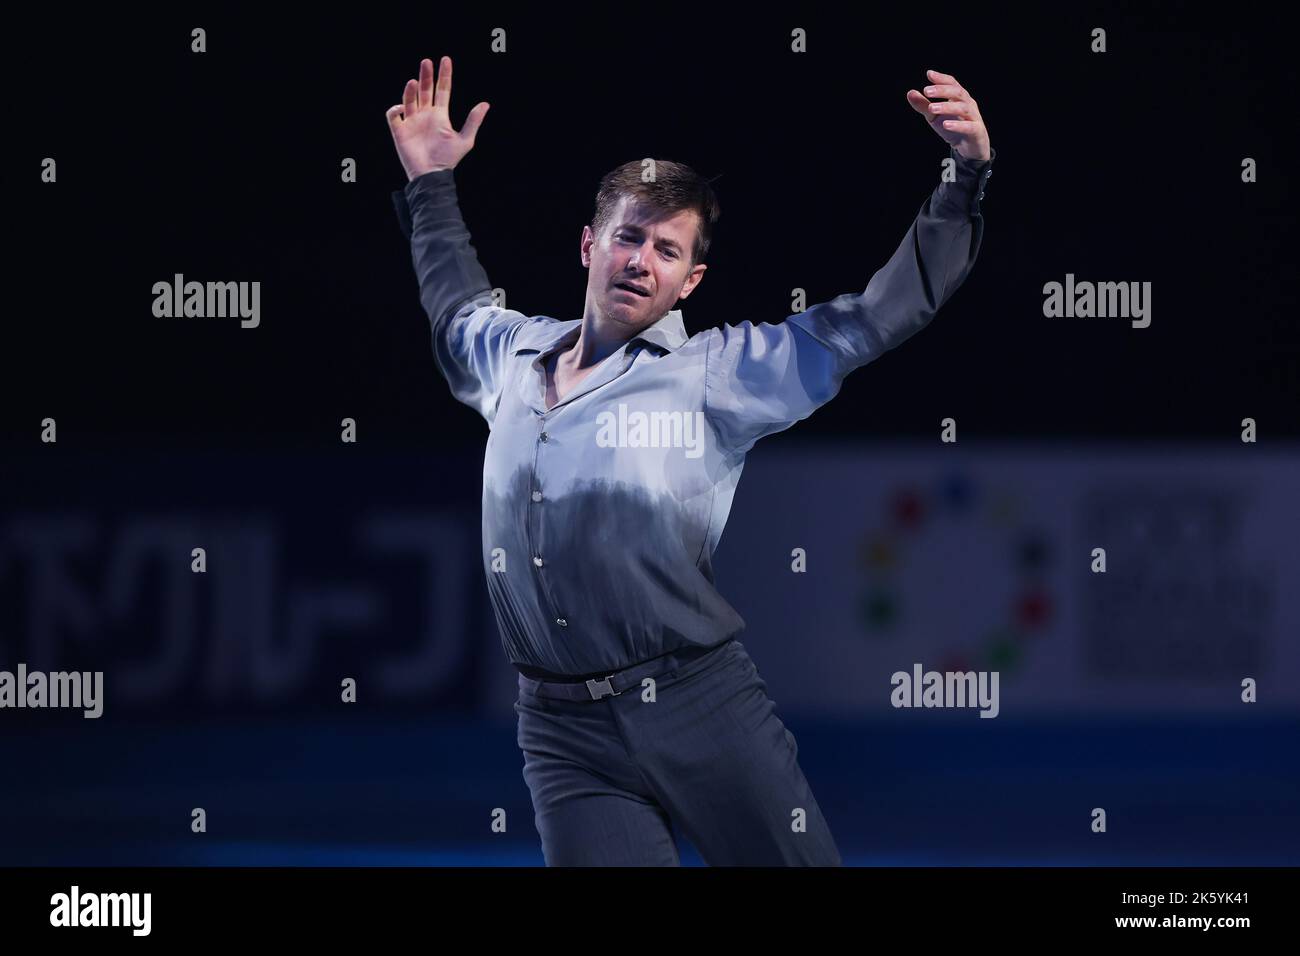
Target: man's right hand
x=421 y=123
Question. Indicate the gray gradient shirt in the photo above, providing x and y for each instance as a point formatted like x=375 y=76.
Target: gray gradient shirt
x=601 y=515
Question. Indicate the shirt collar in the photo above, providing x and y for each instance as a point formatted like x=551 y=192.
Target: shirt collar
x=668 y=333
x=544 y=335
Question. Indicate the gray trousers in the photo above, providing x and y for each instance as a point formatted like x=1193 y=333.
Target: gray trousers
x=610 y=773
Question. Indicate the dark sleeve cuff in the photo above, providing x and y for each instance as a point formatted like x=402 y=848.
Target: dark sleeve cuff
x=971 y=183
x=435 y=189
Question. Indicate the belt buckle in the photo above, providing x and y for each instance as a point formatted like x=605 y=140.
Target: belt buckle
x=601 y=688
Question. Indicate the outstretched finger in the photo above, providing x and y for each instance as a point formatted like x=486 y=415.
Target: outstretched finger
x=442 y=92
x=426 y=83
x=473 y=121
x=409 y=96
x=949 y=91
x=954 y=108
x=918 y=102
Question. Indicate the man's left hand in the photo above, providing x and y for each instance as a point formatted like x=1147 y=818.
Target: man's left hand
x=956 y=118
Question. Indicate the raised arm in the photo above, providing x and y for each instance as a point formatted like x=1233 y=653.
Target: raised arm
x=761 y=379
x=470 y=335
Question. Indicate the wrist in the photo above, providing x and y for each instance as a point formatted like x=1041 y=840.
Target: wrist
x=413 y=174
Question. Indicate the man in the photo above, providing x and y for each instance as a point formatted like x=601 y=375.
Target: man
x=616 y=441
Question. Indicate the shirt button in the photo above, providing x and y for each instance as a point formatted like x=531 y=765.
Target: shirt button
x=545 y=437
x=537 y=560
x=562 y=622
x=537 y=496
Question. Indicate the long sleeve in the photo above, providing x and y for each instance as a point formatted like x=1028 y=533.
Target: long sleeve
x=761 y=379
x=470 y=335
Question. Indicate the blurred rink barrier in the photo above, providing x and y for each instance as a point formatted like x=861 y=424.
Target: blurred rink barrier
x=850 y=563
x=990 y=561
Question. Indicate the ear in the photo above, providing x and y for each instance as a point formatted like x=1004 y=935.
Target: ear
x=692 y=281
x=584 y=246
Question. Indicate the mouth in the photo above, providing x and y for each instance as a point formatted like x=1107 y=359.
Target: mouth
x=634 y=289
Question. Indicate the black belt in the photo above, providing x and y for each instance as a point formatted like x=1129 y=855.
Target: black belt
x=596 y=686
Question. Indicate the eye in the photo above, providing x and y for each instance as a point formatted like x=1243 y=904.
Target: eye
x=670 y=254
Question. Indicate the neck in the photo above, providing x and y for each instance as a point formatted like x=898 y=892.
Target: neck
x=598 y=338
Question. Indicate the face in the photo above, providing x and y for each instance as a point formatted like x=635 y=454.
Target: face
x=649 y=253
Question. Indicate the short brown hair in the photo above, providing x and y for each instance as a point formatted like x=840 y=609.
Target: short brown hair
x=676 y=187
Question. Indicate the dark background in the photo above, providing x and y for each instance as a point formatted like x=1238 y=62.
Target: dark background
x=225 y=166
x=1122 y=166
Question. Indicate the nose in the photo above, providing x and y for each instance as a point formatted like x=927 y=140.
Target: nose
x=634 y=260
